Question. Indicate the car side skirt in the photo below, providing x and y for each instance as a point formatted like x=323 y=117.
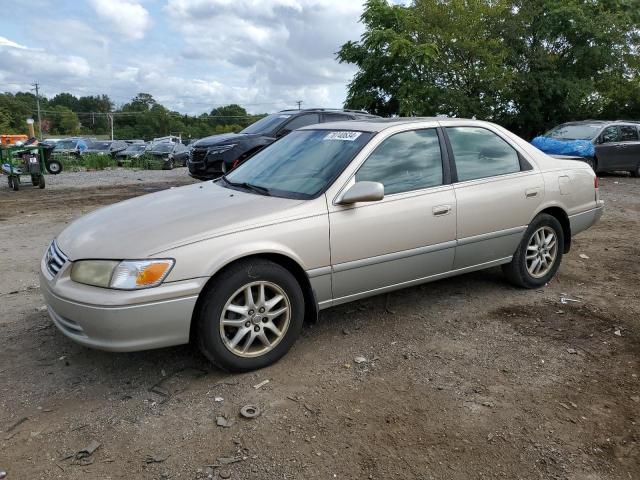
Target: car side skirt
x=418 y=281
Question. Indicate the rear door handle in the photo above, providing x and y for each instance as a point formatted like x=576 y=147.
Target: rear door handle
x=441 y=210
x=532 y=192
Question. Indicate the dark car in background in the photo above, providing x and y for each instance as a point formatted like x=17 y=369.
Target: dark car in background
x=133 y=150
x=607 y=146
x=213 y=156
x=171 y=153
x=106 y=147
x=70 y=146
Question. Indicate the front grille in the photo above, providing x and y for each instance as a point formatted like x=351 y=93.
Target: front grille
x=55 y=259
x=198 y=155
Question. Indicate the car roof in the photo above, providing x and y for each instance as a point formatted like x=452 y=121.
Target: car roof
x=599 y=122
x=377 y=124
x=359 y=113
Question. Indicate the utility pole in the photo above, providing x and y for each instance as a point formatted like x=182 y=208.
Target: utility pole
x=110 y=115
x=37 y=86
x=299 y=102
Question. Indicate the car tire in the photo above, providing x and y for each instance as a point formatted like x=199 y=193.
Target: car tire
x=54 y=167
x=636 y=173
x=539 y=254
x=238 y=344
x=41 y=183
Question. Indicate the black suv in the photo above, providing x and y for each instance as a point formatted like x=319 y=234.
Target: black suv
x=213 y=156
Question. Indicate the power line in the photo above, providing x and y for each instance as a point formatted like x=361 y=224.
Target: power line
x=172 y=114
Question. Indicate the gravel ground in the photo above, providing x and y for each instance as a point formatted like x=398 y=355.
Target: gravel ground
x=115 y=177
x=465 y=378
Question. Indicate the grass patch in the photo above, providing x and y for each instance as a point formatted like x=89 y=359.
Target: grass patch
x=93 y=161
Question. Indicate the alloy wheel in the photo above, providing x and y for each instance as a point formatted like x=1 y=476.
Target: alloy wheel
x=542 y=251
x=255 y=319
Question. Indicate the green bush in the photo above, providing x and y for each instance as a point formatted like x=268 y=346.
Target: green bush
x=93 y=161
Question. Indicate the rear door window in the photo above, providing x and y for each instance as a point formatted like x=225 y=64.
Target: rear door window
x=480 y=153
x=336 y=117
x=628 y=133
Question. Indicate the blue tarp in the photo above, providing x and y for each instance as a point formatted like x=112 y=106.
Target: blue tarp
x=573 y=148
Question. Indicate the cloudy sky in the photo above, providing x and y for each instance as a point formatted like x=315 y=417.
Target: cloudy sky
x=189 y=54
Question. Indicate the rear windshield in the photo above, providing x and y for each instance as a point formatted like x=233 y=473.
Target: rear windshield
x=574 y=132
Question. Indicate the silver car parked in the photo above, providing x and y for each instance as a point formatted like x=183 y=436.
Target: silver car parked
x=328 y=214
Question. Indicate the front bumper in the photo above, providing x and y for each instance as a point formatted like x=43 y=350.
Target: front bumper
x=140 y=320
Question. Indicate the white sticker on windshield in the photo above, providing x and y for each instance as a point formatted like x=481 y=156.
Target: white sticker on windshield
x=284 y=116
x=344 y=136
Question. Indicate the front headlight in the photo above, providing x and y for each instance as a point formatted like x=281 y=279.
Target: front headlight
x=221 y=149
x=124 y=275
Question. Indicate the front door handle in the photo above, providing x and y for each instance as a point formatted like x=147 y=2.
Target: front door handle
x=531 y=193
x=441 y=210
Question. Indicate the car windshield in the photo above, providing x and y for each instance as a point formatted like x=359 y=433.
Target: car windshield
x=99 y=145
x=300 y=165
x=574 y=131
x=162 y=147
x=65 y=145
x=267 y=124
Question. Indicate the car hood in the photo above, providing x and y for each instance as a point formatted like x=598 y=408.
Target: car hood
x=223 y=139
x=153 y=223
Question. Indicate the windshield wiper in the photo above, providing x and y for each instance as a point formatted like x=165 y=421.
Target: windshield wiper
x=248 y=186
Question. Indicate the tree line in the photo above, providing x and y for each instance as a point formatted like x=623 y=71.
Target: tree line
x=143 y=117
x=525 y=64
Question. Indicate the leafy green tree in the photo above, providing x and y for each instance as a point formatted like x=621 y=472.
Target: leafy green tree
x=229 y=114
x=527 y=64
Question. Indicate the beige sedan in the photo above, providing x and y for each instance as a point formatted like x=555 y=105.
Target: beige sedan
x=329 y=214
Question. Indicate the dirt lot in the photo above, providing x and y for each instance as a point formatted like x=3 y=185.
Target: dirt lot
x=464 y=378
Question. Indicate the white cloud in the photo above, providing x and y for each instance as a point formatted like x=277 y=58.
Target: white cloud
x=128 y=18
x=286 y=48
x=263 y=54
x=5 y=42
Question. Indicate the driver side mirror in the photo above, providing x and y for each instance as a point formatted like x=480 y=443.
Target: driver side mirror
x=362 y=192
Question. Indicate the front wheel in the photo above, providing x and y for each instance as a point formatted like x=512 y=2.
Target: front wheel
x=539 y=254
x=636 y=173
x=250 y=316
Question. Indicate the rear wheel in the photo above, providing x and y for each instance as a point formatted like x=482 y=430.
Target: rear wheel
x=636 y=173
x=250 y=315
x=54 y=167
x=539 y=254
